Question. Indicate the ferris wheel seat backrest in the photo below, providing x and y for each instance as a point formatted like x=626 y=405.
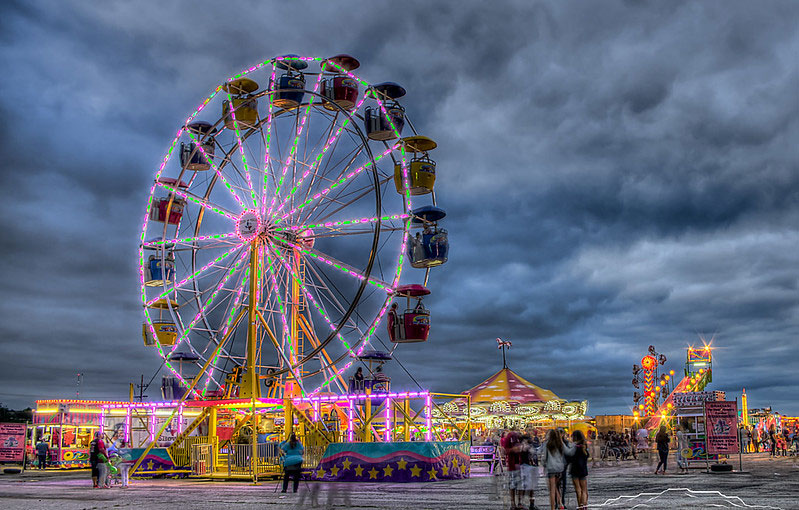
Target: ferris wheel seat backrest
x=416 y=326
x=245 y=106
x=378 y=126
x=421 y=177
x=191 y=157
x=429 y=249
x=245 y=109
x=291 y=90
x=156 y=269
x=341 y=90
x=165 y=331
x=159 y=210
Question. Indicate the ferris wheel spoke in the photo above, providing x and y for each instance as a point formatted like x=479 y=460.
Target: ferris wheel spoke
x=341 y=266
x=337 y=225
x=341 y=181
x=216 y=168
x=343 y=197
x=229 y=323
x=190 y=240
x=293 y=149
x=317 y=306
x=275 y=289
x=199 y=201
x=208 y=302
x=267 y=139
x=241 y=150
x=330 y=141
x=195 y=274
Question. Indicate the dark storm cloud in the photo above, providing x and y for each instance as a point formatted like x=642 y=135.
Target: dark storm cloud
x=617 y=174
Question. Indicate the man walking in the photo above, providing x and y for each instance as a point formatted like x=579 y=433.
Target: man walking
x=41 y=451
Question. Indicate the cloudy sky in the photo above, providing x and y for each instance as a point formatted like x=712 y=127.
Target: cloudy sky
x=616 y=174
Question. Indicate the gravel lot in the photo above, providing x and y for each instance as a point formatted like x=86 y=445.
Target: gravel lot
x=765 y=483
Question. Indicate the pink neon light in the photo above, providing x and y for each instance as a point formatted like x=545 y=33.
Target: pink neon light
x=152 y=423
x=294 y=146
x=330 y=142
x=429 y=420
x=241 y=147
x=388 y=420
x=350 y=425
x=127 y=426
x=359 y=396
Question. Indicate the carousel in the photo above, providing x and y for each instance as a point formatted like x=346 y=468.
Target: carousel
x=507 y=399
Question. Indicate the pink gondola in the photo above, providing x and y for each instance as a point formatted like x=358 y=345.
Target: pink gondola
x=413 y=325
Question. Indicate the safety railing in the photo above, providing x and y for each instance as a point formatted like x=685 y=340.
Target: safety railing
x=202 y=459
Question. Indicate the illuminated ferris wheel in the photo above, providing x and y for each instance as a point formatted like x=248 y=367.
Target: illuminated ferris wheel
x=277 y=227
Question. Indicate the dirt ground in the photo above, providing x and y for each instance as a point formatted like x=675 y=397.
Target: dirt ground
x=764 y=483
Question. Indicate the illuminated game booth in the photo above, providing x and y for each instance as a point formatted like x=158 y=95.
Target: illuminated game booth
x=272 y=249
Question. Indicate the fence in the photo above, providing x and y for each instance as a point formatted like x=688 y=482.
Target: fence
x=202 y=459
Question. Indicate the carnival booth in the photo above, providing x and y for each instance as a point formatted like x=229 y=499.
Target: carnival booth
x=67 y=426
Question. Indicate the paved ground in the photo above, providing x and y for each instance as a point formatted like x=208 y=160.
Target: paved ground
x=764 y=484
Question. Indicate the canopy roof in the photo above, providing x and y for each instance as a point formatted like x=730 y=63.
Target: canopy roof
x=508 y=386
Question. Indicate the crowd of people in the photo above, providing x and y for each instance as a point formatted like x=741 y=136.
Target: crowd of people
x=777 y=442
x=559 y=453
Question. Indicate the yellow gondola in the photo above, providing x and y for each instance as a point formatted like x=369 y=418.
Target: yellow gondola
x=421 y=169
x=245 y=105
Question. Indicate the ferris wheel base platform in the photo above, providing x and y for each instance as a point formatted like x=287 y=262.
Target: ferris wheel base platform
x=394 y=462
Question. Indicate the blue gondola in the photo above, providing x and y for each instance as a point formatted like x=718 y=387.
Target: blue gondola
x=158 y=270
x=377 y=125
x=430 y=247
x=290 y=85
x=190 y=157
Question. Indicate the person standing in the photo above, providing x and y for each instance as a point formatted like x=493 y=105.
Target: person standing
x=359 y=380
x=579 y=469
x=772 y=439
x=682 y=444
x=553 y=458
x=756 y=440
x=662 y=440
x=96 y=449
x=511 y=443
x=292 y=461
x=528 y=472
x=41 y=452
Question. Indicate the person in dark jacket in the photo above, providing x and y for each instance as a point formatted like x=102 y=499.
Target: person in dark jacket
x=41 y=451
x=662 y=440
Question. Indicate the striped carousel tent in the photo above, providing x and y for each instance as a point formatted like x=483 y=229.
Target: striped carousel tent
x=508 y=396
x=508 y=386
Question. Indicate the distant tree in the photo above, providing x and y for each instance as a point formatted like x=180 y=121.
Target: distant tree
x=11 y=416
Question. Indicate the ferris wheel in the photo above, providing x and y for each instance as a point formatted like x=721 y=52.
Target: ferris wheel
x=277 y=227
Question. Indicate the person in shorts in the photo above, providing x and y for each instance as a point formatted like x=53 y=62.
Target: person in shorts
x=579 y=469
x=511 y=443
x=553 y=458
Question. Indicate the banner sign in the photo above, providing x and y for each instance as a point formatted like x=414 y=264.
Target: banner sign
x=12 y=442
x=721 y=419
x=695 y=398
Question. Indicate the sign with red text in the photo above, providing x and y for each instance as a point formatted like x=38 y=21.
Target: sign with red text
x=12 y=442
x=721 y=424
